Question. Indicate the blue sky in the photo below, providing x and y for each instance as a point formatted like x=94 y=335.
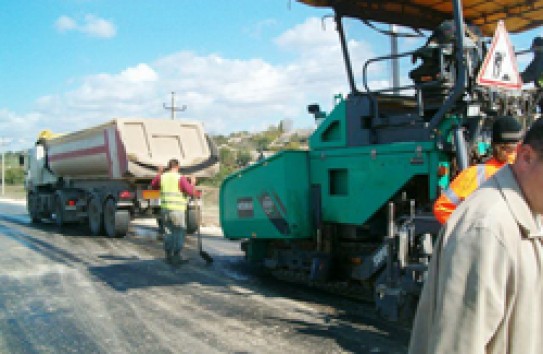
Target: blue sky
x=237 y=65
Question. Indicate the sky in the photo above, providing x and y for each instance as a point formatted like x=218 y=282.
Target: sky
x=237 y=65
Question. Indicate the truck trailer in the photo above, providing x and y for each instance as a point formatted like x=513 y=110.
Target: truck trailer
x=101 y=175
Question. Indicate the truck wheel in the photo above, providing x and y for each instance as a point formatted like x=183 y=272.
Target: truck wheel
x=32 y=205
x=115 y=221
x=96 y=224
x=59 y=213
x=192 y=220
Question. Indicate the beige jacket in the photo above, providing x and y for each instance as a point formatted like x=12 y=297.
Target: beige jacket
x=484 y=292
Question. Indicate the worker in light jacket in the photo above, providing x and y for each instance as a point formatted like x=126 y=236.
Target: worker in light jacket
x=173 y=202
x=506 y=133
x=484 y=290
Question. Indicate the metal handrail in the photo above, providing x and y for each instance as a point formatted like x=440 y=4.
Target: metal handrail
x=370 y=93
x=417 y=86
x=386 y=57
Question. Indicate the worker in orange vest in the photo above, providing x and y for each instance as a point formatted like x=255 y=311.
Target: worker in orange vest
x=506 y=134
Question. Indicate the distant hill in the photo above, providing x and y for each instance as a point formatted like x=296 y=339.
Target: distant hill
x=240 y=149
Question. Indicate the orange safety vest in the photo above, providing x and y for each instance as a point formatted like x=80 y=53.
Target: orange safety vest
x=462 y=186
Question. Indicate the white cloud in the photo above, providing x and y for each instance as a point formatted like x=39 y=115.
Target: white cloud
x=309 y=37
x=317 y=44
x=98 y=27
x=139 y=73
x=65 y=23
x=257 y=29
x=20 y=128
x=226 y=94
x=91 y=25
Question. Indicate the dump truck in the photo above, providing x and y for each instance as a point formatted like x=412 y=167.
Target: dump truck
x=101 y=175
x=353 y=213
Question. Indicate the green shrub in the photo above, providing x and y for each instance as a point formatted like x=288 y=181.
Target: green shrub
x=14 y=175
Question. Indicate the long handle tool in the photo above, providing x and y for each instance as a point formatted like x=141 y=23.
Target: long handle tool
x=205 y=256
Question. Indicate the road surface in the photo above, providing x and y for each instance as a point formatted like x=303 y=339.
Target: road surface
x=73 y=293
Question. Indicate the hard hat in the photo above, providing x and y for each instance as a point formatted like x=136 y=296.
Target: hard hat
x=506 y=129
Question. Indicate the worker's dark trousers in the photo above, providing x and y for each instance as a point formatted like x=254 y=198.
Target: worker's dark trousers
x=175 y=228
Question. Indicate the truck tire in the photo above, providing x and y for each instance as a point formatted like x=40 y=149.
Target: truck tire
x=192 y=220
x=32 y=205
x=115 y=221
x=96 y=220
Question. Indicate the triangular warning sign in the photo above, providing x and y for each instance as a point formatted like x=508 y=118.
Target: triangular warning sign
x=500 y=66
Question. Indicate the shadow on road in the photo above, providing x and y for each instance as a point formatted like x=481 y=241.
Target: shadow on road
x=77 y=230
x=44 y=248
x=352 y=334
x=149 y=273
x=352 y=324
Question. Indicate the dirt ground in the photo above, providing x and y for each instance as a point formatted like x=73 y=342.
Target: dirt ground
x=14 y=192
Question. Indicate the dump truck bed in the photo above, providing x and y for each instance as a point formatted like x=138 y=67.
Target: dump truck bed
x=132 y=147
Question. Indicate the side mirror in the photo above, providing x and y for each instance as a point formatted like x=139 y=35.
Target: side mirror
x=22 y=160
x=315 y=110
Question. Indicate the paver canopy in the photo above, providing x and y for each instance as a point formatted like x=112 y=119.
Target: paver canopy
x=518 y=15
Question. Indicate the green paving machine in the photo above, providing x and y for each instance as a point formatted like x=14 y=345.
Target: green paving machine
x=353 y=213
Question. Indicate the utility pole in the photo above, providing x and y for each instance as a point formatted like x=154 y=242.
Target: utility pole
x=173 y=108
x=4 y=142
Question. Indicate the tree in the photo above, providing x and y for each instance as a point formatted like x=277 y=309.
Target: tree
x=227 y=157
x=243 y=158
x=220 y=139
x=216 y=180
x=292 y=145
x=14 y=175
x=262 y=141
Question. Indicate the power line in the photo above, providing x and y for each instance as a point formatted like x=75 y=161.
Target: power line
x=173 y=108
